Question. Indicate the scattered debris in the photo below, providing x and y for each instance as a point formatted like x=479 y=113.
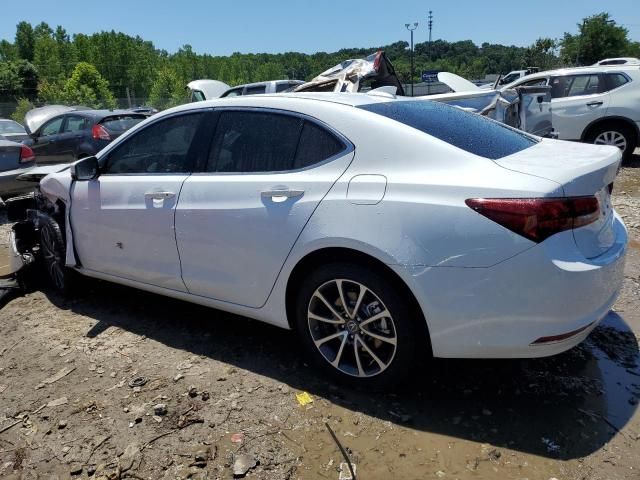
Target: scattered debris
x=160 y=409
x=62 y=424
x=205 y=396
x=61 y=374
x=237 y=438
x=345 y=471
x=242 y=464
x=304 y=398
x=138 y=382
x=57 y=402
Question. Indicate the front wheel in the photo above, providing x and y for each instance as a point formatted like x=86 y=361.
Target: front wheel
x=356 y=325
x=52 y=249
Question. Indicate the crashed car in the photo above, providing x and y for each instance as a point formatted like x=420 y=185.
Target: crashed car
x=527 y=108
x=379 y=229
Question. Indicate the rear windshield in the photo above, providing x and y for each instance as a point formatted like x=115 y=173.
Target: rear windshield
x=121 y=123
x=9 y=126
x=467 y=131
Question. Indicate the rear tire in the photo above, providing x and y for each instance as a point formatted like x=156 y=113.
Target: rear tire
x=616 y=134
x=369 y=342
x=53 y=254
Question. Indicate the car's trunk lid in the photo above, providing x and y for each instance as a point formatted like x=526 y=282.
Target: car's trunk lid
x=581 y=170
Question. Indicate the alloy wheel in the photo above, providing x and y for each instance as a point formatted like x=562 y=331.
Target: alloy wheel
x=613 y=138
x=352 y=328
x=52 y=258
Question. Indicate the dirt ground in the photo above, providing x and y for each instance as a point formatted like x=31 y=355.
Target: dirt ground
x=118 y=383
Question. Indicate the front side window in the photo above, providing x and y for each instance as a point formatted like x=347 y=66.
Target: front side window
x=255 y=90
x=74 y=124
x=467 y=131
x=512 y=77
x=52 y=128
x=538 y=82
x=162 y=147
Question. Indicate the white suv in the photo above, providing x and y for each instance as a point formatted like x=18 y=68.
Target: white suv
x=597 y=104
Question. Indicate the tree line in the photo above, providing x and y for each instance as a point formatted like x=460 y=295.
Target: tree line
x=45 y=65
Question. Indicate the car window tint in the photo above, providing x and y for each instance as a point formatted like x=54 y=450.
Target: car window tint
x=559 y=86
x=52 y=128
x=121 y=123
x=615 y=80
x=197 y=96
x=74 y=124
x=236 y=92
x=538 y=82
x=467 y=131
x=316 y=145
x=583 y=85
x=9 y=126
x=281 y=87
x=255 y=90
x=254 y=142
x=160 y=148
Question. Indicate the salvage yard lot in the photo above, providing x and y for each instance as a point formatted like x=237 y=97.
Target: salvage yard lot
x=229 y=384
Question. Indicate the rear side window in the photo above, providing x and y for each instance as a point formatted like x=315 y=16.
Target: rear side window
x=315 y=146
x=75 y=124
x=467 y=131
x=159 y=148
x=121 y=123
x=615 y=80
x=251 y=141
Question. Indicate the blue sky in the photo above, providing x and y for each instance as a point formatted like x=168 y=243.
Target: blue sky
x=249 y=26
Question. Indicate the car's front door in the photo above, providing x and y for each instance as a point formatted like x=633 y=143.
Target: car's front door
x=123 y=221
x=45 y=144
x=236 y=222
x=577 y=100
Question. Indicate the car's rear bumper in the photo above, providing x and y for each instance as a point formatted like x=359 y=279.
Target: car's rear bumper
x=9 y=185
x=549 y=290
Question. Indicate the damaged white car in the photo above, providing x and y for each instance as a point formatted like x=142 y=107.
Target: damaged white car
x=378 y=229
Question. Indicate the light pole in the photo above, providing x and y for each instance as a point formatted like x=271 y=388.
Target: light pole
x=411 y=28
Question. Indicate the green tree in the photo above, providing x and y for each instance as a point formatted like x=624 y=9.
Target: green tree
x=25 y=41
x=24 y=105
x=542 y=54
x=168 y=89
x=87 y=87
x=598 y=37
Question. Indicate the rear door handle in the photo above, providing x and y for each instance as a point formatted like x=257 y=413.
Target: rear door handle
x=594 y=104
x=281 y=194
x=159 y=195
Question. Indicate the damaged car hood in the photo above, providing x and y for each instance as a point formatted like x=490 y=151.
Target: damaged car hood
x=352 y=75
x=37 y=117
x=38 y=173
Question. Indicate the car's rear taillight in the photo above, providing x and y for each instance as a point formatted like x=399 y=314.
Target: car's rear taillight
x=26 y=154
x=538 y=218
x=98 y=132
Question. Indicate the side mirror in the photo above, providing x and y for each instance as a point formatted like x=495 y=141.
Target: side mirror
x=85 y=169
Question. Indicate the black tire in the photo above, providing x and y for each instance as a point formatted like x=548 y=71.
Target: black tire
x=53 y=253
x=605 y=129
x=402 y=322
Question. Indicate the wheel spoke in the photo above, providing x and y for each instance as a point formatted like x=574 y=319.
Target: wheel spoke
x=356 y=353
x=380 y=363
x=328 y=338
x=361 y=294
x=377 y=316
x=329 y=306
x=336 y=361
x=391 y=340
x=325 y=320
x=342 y=299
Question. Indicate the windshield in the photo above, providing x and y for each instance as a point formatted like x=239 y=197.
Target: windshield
x=9 y=126
x=467 y=131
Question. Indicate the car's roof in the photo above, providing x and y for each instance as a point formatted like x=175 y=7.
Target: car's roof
x=590 y=69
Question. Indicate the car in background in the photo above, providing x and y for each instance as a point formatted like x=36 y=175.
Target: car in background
x=15 y=159
x=618 y=61
x=64 y=134
x=273 y=86
x=205 y=89
x=379 y=229
x=597 y=104
x=12 y=130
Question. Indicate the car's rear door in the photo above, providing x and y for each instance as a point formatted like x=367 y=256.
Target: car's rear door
x=123 y=221
x=237 y=221
x=577 y=100
x=72 y=134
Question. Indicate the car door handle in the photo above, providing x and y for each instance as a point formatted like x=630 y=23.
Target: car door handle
x=594 y=104
x=159 y=195
x=281 y=194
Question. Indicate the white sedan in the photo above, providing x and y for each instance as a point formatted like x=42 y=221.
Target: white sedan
x=375 y=227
